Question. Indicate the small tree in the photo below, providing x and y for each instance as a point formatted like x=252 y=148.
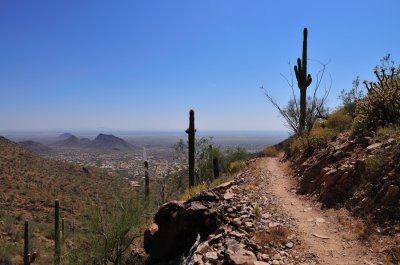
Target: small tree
x=111 y=232
x=350 y=98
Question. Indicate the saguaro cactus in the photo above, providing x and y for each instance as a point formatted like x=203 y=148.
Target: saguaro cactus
x=191 y=137
x=57 y=234
x=215 y=167
x=214 y=163
x=303 y=81
x=62 y=229
x=146 y=180
x=28 y=258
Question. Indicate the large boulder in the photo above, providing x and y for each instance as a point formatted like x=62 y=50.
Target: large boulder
x=176 y=226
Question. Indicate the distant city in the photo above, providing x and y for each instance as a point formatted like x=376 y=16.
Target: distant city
x=122 y=152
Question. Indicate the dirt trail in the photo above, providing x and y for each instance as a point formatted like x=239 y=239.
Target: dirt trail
x=326 y=233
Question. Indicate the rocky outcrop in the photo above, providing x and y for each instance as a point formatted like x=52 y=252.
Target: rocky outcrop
x=177 y=224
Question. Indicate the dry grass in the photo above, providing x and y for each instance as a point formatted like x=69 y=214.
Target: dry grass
x=196 y=190
x=339 y=120
x=275 y=236
x=271 y=151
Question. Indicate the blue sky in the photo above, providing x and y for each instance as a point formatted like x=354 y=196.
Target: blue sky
x=141 y=65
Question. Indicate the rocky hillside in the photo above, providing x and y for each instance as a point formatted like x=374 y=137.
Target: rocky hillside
x=362 y=175
x=36 y=147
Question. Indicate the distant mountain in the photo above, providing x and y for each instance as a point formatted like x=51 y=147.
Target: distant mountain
x=64 y=136
x=73 y=141
x=110 y=142
x=36 y=147
x=85 y=141
x=103 y=142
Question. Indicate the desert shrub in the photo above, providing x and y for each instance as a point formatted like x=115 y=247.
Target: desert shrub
x=387 y=132
x=257 y=211
x=318 y=137
x=375 y=163
x=339 y=120
x=381 y=106
x=350 y=98
x=111 y=232
x=294 y=146
x=204 y=157
x=270 y=151
x=235 y=154
x=236 y=166
x=6 y=250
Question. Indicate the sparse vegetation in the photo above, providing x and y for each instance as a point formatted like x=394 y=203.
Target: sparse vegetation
x=339 y=120
x=386 y=133
x=111 y=232
x=257 y=211
x=228 y=159
x=270 y=151
x=195 y=190
x=318 y=137
x=375 y=163
x=351 y=97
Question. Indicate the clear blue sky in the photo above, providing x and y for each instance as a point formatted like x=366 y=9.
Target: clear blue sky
x=141 y=65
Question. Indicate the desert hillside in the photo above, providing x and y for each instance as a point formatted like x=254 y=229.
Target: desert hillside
x=30 y=185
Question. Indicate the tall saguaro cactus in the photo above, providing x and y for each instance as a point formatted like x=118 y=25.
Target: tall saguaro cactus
x=146 y=180
x=191 y=137
x=303 y=81
x=57 y=234
x=214 y=163
x=28 y=258
x=215 y=167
